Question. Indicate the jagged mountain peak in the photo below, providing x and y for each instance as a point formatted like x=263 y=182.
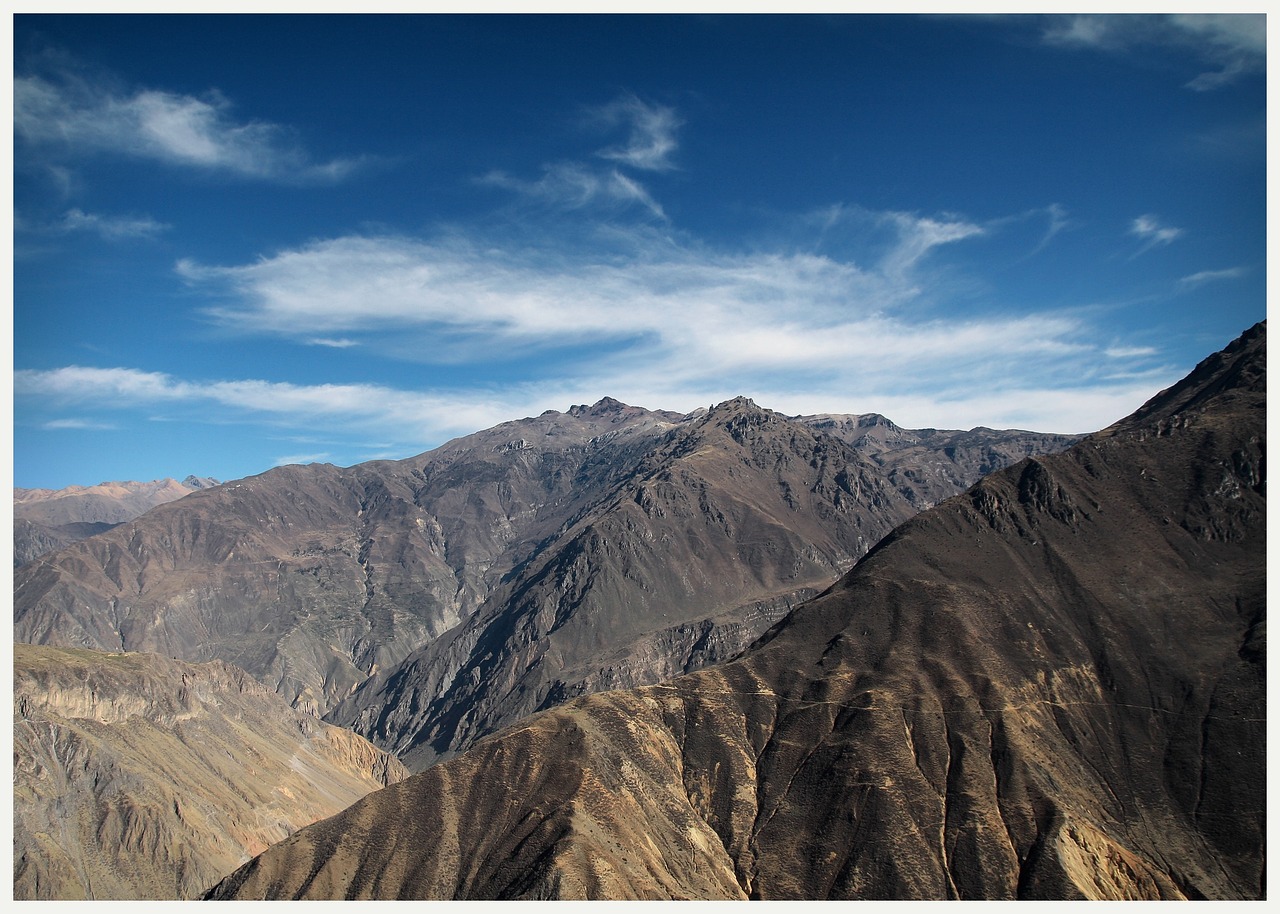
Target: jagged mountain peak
x=576 y=427
x=603 y=406
x=872 y=420
x=200 y=482
x=739 y=403
x=740 y=413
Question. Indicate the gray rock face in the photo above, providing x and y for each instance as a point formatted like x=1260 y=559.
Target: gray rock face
x=31 y=540
x=314 y=578
x=1050 y=686
x=136 y=776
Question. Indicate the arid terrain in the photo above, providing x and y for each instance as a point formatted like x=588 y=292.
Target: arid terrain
x=508 y=570
x=46 y=520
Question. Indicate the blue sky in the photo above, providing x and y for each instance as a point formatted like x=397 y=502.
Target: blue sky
x=247 y=241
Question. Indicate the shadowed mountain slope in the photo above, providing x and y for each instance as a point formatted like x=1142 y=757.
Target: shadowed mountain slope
x=136 y=776
x=313 y=578
x=1050 y=686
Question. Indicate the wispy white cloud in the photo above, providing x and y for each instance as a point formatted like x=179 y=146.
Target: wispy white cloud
x=1204 y=276
x=1129 y=352
x=76 y=115
x=112 y=228
x=1237 y=44
x=655 y=293
x=410 y=415
x=651 y=139
x=625 y=188
x=574 y=185
x=303 y=458
x=668 y=325
x=1059 y=220
x=342 y=343
x=1083 y=31
x=77 y=425
x=1153 y=233
x=1231 y=44
x=917 y=236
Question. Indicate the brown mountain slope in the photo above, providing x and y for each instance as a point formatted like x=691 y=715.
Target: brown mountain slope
x=136 y=776
x=105 y=503
x=312 y=578
x=32 y=540
x=1051 y=686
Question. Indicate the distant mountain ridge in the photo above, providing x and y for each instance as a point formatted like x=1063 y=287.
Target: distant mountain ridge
x=46 y=520
x=1050 y=686
x=733 y=516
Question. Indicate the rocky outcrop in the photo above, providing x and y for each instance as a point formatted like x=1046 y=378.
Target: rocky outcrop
x=1050 y=686
x=136 y=776
x=930 y=465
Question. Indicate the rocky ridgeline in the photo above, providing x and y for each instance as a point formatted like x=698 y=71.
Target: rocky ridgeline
x=721 y=513
x=46 y=520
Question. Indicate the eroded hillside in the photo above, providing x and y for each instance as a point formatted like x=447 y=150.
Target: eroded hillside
x=137 y=776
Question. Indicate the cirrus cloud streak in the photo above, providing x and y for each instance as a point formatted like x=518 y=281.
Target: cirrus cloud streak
x=1232 y=44
x=74 y=115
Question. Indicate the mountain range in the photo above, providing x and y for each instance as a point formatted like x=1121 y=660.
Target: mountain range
x=1050 y=686
x=640 y=654
x=428 y=601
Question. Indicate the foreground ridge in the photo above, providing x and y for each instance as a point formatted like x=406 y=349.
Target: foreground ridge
x=1050 y=686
